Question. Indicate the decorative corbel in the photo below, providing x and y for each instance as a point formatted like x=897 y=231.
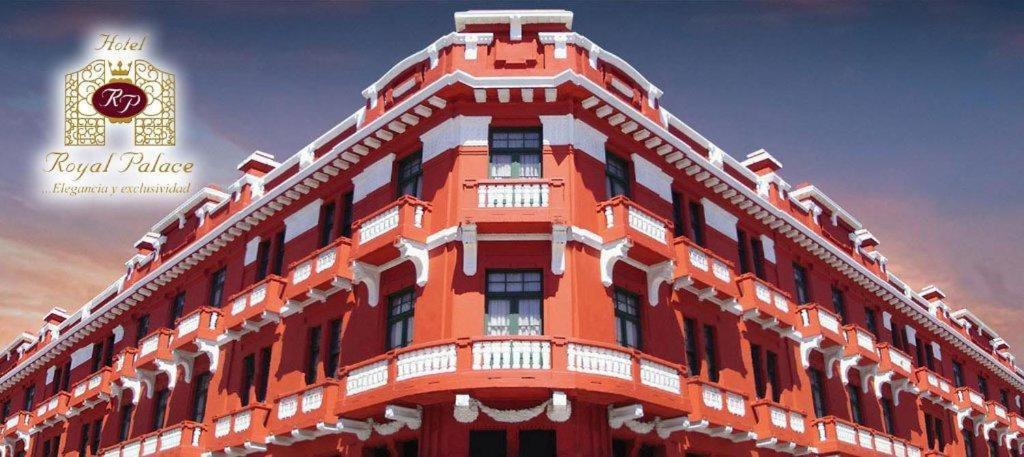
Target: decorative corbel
x=418 y=254
x=368 y=275
x=559 y=238
x=467 y=233
x=657 y=275
x=610 y=254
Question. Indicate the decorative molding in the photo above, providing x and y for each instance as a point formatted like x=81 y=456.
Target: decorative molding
x=453 y=132
x=418 y=254
x=559 y=239
x=557 y=409
x=372 y=177
x=302 y=220
x=467 y=233
x=768 y=244
x=652 y=177
x=368 y=275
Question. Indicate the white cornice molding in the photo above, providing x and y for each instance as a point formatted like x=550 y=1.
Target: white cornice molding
x=180 y=213
x=811 y=192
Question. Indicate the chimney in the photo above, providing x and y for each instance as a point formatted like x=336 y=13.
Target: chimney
x=258 y=164
x=762 y=163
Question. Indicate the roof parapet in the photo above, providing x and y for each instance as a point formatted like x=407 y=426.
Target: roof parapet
x=258 y=163
x=514 y=18
x=762 y=162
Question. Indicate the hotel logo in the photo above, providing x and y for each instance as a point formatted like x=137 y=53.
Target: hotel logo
x=138 y=93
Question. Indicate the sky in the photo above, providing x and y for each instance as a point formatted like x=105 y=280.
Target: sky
x=908 y=114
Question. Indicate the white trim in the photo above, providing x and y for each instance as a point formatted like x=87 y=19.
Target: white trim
x=652 y=177
x=810 y=191
x=180 y=214
x=373 y=177
x=303 y=220
x=768 y=244
x=453 y=132
x=719 y=219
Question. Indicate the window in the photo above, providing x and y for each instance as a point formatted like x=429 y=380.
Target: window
x=620 y=448
x=6 y=409
x=177 y=310
x=97 y=356
x=678 y=224
x=710 y=349
x=929 y=356
x=958 y=374
x=537 y=443
x=899 y=337
x=993 y=448
x=326 y=224
x=800 y=284
x=126 y=421
x=97 y=429
x=487 y=443
x=217 y=287
x=160 y=408
x=968 y=437
x=616 y=176
x=410 y=448
x=108 y=351
x=692 y=357
x=771 y=365
x=515 y=153
x=742 y=250
x=199 y=397
x=983 y=386
x=757 y=249
x=333 y=348
x=888 y=419
x=627 y=318
x=262 y=260
x=410 y=176
x=838 y=301
x=1004 y=398
x=933 y=432
x=278 y=264
x=514 y=303
x=856 y=413
x=817 y=392
x=30 y=397
x=141 y=328
x=870 y=321
x=57 y=375
x=346 y=215
x=400 y=318
x=312 y=353
x=697 y=223
x=83 y=439
x=264 y=376
x=65 y=381
x=758 y=365
x=248 y=377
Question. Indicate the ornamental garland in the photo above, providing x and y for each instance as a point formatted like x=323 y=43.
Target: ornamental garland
x=467 y=414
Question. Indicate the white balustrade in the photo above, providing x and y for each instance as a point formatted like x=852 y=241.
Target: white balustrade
x=188 y=325
x=778 y=417
x=828 y=322
x=326 y=260
x=736 y=404
x=720 y=270
x=712 y=397
x=846 y=433
x=762 y=292
x=287 y=406
x=426 y=361
x=659 y=376
x=780 y=302
x=902 y=361
x=302 y=272
x=865 y=340
x=366 y=378
x=600 y=361
x=647 y=225
x=312 y=399
x=222 y=427
x=513 y=195
x=149 y=345
x=796 y=422
x=242 y=421
x=379 y=225
x=512 y=355
x=698 y=259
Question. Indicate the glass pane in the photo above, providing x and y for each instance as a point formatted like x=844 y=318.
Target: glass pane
x=529 y=165
x=529 y=317
x=501 y=166
x=396 y=334
x=498 y=316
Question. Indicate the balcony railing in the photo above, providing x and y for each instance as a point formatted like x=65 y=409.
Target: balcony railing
x=766 y=304
x=859 y=351
x=50 y=411
x=321 y=273
x=523 y=202
x=780 y=428
x=822 y=331
x=719 y=406
x=705 y=274
x=649 y=233
x=243 y=431
x=969 y=405
x=375 y=235
x=895 y=360
x=203 y=324
x=254 y=307
x=156 y=346
x=92 y=390
x=305 y=409
x=17 y=424
x=181 y=439
x=840 y=437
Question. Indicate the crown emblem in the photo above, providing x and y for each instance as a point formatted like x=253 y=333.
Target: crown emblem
x=119 y=71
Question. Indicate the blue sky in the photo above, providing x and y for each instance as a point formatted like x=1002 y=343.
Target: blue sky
x=908 y=114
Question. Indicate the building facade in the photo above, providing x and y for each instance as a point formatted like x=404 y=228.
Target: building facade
x=511 y=249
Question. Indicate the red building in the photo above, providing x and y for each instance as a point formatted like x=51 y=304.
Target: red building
x=511 y=249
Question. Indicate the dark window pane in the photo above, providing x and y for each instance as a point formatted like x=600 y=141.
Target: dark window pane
x=757 y=249
x=160 y=408
x=410 y=176
x=697 y=223
x=126 y=422
x=855 y=409
x=262 y=260
x=264 y=374
x=838 y=304
x=177 y=309
x=616 y=172
x=771 y=364
x=692 y=356
x=758 y=366
x=312 y=354
x=515 y=153
x=141 y=328
x=217 y=287
x=202 y=384
x=627 y=318
x=537 y=443
x=326 y=224
x=278 y=264
x=487 y=443
x=817 y=392
x=514 y=302
x=334 y=348
x=400 y=318
x=710 y=352
x=248 y=378
x=800 y=284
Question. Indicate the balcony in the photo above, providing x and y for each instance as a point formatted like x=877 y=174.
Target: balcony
x=91 y=391
x=305 y=414
x=526 y=362
x=155 y=350
x=51 y=411
x=705 y=274
x=766 y=304
x=935 y=388
x=722 y=412
x=379 y=236
x=197 y=329
x=647 y=234
x=514 y=205
x=997 y=418
x=182 y=439
x=17 y=426
x=242 y=432
x=894 y=368
x=322 y=273
x=821 y=331
x=970 y=404
x=858 y=352
x=254 y=307
x=839 y=437
x=780 y=428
